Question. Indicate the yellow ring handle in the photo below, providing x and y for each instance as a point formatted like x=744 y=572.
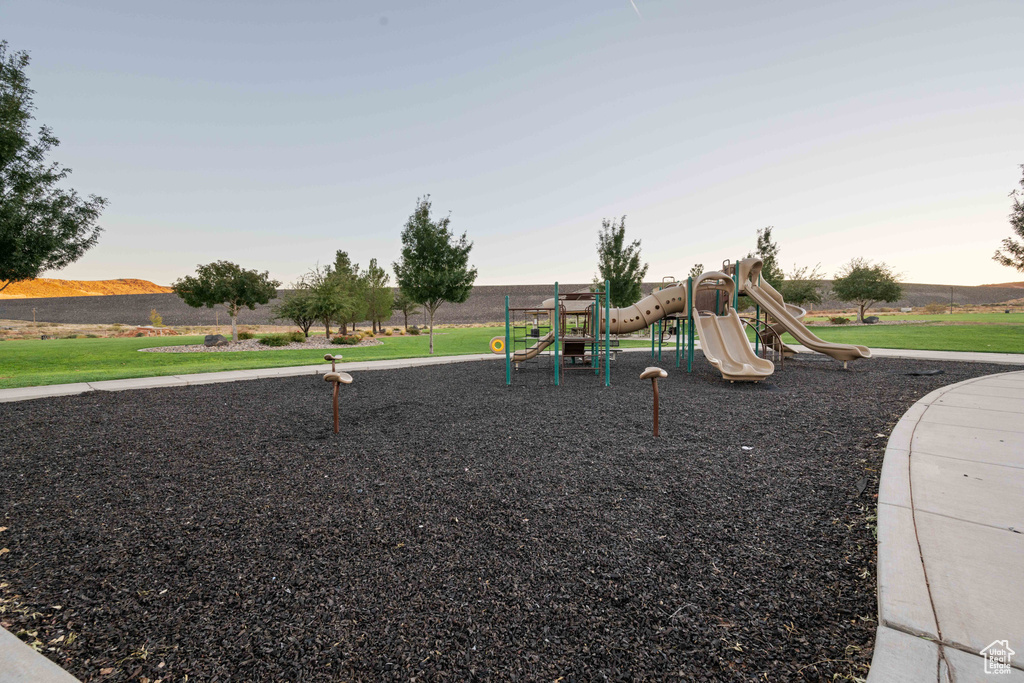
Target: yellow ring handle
x=498 y=345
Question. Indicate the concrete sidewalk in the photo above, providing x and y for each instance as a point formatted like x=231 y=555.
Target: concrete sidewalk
x=50 y=390
x=951 y=536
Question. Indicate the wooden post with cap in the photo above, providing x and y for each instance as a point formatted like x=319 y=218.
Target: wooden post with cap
x=654 y=374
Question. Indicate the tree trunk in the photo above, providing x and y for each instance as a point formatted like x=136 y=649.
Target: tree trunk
x=327 y=328
x=860 y=316
x=234 y=326
x=431 y=331
x=406 y=315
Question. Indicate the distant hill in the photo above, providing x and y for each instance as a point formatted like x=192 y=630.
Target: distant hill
x=48 y=288
x=485 y=304
x=1014 y=285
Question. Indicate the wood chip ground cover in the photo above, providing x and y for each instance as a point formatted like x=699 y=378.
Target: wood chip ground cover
x=456 y=529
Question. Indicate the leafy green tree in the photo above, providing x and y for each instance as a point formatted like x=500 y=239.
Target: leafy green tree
x=619 y=264
x=406 y=305
x=326 y=300
x=865 y=285
x=1012 y=254
x=803 y=285
x=223 y=282
x=350 y=289
x=379 y=297
x=434 y=266
x=297 y=306
x=42 y=226
x=768 y=251
x=696 y=271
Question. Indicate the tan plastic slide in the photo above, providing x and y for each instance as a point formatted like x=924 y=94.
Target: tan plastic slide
x=527 y=354
x=723 y=339
x=769 y=299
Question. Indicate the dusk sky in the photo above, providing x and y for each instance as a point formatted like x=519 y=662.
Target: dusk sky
x=273 y=134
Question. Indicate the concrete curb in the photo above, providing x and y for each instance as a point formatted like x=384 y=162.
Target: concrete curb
x=950 y=547
x=19 y=663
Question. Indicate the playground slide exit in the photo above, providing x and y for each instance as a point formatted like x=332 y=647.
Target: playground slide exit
x=723 y=339
x=769 y=299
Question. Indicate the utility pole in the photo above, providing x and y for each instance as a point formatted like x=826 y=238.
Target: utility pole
x=951 y=301
x=33 y=315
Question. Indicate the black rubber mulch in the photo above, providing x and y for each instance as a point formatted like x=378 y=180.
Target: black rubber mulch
x=456 y=529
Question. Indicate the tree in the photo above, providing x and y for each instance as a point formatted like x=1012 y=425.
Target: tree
x=768 y=251
x=350 y=290
x=1012 y=254
x=297 y=306
x=803 y=285
x=866 y=285
x=223 y=282
x=406 y=305
x=42 y=226
x=619 y=264
x=434 y=266
x=696 y=271
x=325 y=298
x=379 y=297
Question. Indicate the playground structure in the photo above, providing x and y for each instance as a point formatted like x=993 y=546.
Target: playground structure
x=574 y=329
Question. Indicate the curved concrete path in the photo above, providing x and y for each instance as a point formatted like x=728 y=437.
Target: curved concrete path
x=951 y=536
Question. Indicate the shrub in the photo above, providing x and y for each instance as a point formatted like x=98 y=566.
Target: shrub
x=839 y=320
x=155 y=319
x=92 y=336
x=935 y=307
x=347 y=340
x=242 y=336
x=296 y=337
x=140 y=334
x=414 y=330
x=275 y=340
x=387 y=333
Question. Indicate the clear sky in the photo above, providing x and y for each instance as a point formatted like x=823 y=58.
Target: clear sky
x=274 y=133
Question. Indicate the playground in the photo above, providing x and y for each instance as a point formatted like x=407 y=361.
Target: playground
x=455 y=527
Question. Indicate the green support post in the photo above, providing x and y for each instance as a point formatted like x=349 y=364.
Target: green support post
x=651 y=328
x=508 y=342
x=679 y=334
x=661 y=329
x=607 y=334
x=736 y=289
x=595 y=356
x=557 y=322
x=689 y=324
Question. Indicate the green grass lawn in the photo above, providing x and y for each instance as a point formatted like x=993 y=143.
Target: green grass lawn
x=999 y=318
x=60 y=361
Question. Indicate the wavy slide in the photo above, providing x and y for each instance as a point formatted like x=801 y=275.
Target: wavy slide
x=769 y=299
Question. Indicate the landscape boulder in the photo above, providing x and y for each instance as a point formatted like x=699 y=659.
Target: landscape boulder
x=871 y=319
x=215 y=340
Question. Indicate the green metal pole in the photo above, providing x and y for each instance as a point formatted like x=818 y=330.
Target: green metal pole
x=557 y=323
x=594 y=345
x=736 y=290
x=660 y=330
x=651 y=328
x=679 y=334
x=607 y=334
x=508 y=342
x=689 y=324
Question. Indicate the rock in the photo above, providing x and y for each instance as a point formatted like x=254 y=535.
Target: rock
x=871 y=319
x=215 y=340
